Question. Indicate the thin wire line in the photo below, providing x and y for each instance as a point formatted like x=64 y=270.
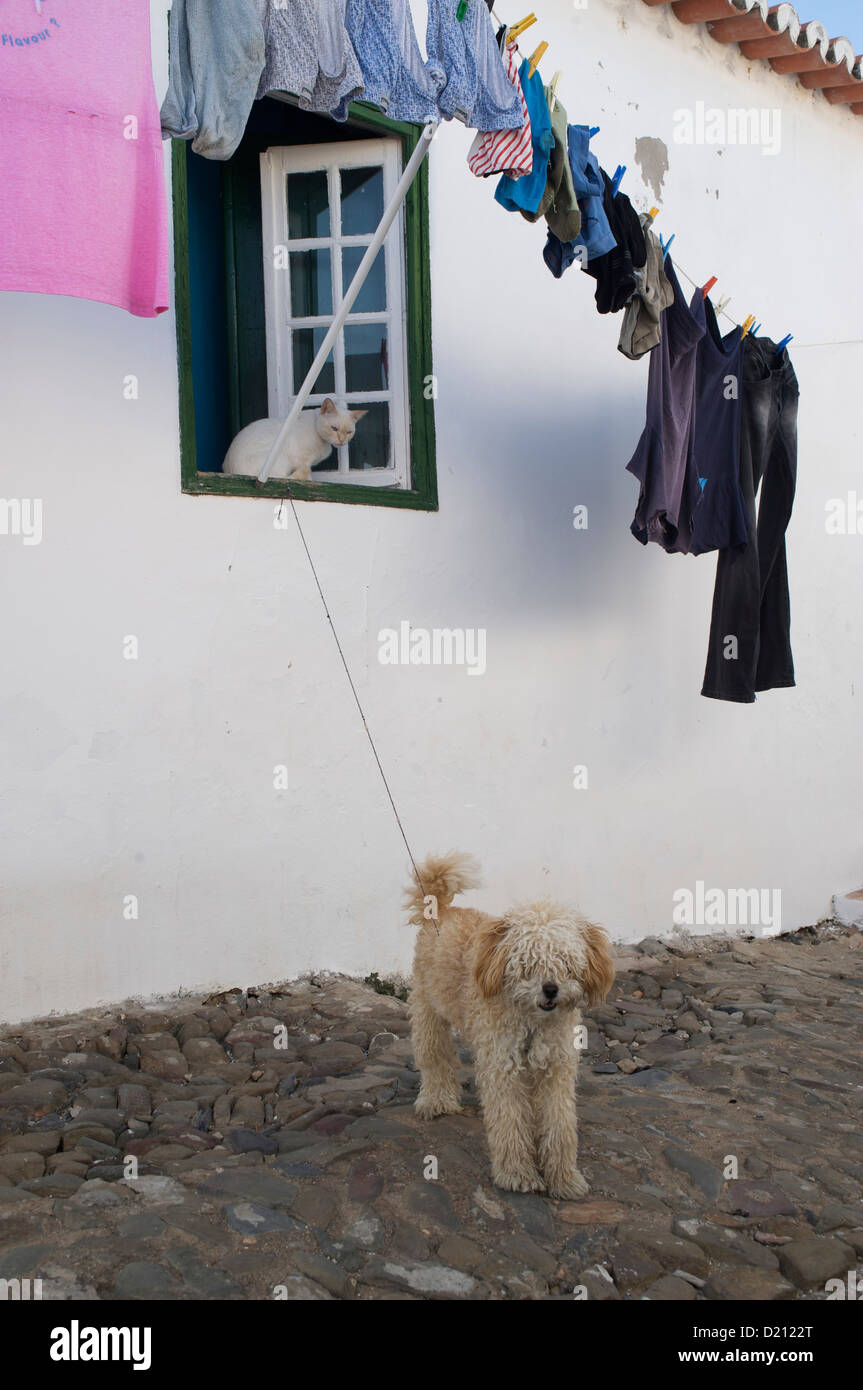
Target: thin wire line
x=290 y=499
x=839 y=342
x=696 y=286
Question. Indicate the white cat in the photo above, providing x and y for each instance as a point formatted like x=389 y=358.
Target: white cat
x=310 y=441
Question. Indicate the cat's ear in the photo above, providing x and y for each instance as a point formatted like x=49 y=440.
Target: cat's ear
x=329 y=407
x=357 y=414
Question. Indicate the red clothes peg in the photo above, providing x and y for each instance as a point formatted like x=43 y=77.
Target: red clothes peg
x=709 y=286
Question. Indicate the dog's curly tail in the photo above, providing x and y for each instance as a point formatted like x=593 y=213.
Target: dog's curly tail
x=443 y=876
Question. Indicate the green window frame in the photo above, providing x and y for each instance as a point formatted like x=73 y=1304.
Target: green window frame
x=221 y=327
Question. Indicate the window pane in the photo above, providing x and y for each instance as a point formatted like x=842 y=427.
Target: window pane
x=362 y=200
x=373 y=295
x=370 y=446
x=308 y=204
x=306 y=343
x=311 y=284
x=366 y=363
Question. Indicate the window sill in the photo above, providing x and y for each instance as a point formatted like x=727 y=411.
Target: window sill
x=357 y=494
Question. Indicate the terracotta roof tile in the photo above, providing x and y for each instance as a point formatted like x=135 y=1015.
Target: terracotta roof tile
x=775 y=34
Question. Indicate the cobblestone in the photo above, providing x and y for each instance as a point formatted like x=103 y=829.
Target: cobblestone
x=262 y=1144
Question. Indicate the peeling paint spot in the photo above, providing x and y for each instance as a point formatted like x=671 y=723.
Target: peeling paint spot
x=651 y=156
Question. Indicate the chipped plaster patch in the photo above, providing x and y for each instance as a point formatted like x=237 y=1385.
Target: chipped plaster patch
x=651 y=156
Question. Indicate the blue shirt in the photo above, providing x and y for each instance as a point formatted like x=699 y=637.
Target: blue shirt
x=596 y=235
x=525 y=194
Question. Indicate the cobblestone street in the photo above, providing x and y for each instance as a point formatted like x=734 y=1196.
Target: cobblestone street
x=300 y=1171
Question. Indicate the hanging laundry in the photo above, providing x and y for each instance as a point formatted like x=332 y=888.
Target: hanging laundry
x=596 y=234
x=309 y=53
x=524 y=194
x=615 y=271
x=504 y=151
x=395 y=77
x=217 y=55
x=478 y=90
x=595 y=238
x=719 y=519
x=751 y=602
x=558 y=255
x=641 y=329
x=558 y=203
x=83 y=210
x=664 y=460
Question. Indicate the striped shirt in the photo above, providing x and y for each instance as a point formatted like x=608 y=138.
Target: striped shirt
x=504 y=151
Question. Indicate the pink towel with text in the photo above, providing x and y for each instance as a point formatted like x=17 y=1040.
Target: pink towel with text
x=83 y=209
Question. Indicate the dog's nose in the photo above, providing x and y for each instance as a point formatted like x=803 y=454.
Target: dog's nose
x=549 y=989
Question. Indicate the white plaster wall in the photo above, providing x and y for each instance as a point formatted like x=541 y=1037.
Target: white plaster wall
x=154 y=777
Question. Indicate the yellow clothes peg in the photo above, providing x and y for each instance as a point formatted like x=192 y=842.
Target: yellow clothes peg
x=535 y=58
x=552 y=91
x=653 y=214
x=748 y=324
x=519 y=28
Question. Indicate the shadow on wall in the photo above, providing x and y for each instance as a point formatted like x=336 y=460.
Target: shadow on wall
x=543 y=504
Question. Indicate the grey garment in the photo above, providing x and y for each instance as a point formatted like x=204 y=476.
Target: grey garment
x=558 y=204
x=641 y=330
x=217 y=56
x=310 y=54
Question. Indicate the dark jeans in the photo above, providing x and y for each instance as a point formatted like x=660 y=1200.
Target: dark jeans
x=750 y=601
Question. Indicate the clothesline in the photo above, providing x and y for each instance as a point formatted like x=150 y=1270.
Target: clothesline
x=695 y=284
x=839 y=342
x=836 y=342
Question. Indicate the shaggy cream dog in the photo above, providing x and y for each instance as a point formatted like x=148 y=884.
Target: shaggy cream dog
x=512 y=986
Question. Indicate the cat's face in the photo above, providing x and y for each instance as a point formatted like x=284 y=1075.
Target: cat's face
x=337 y=426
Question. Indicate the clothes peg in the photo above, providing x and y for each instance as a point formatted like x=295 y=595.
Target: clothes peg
x=666 y=245
x=520 y=27
x=709 y=286
x=535 y=57
x=755 y=330
x=653 y=214
x=780 y=347
x=747 y=325
x=594 y=130
x=723 y=304
x=618 y=176
x=461 y=11
x=552 y=91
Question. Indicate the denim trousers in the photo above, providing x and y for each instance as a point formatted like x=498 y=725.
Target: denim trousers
x=750 y=630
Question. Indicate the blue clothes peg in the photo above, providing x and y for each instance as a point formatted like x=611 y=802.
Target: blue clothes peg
x=666 y=244
x=594 y=130
x=618 y=175
x=780 y=347
x=755 y=330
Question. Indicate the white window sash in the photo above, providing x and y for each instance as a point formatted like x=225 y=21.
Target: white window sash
x=277 y=163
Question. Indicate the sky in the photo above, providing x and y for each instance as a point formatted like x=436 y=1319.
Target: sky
x=837 y=16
